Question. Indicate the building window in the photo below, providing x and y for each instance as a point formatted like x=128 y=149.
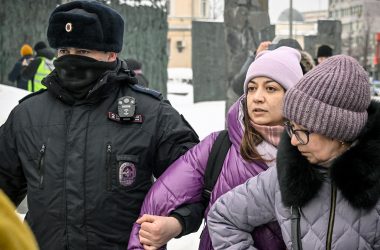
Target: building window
x=180 y=46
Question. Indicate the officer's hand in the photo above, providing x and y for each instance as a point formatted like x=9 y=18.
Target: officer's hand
x=156 y=231
x=263 y=46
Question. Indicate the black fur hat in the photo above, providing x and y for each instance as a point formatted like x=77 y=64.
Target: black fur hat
x=87 y=25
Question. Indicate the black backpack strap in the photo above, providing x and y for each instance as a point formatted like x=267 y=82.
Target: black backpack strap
x=214 y=164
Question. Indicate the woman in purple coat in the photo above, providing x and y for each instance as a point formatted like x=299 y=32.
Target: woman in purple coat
x=254 y=126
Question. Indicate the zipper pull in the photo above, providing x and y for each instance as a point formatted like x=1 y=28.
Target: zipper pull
x=41 y=165
x=108 y=157
x=108 y=167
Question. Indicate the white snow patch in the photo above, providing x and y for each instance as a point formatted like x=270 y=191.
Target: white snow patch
x=9 y=97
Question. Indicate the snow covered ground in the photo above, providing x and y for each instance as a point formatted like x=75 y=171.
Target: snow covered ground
x=9 y=97
x=205 y=117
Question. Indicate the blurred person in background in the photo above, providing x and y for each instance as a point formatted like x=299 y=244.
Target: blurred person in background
x=323 y=52
x=15 y=75
x=39 y=67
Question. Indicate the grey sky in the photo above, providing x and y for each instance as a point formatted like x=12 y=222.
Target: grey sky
x=277 y=6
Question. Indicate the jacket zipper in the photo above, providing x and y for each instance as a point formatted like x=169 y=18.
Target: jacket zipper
x=68 y=117
x=41 y=164
x=332 y=217
x=108 y=166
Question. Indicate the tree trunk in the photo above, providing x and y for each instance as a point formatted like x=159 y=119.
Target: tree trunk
x=145 y=38
x=244 y=22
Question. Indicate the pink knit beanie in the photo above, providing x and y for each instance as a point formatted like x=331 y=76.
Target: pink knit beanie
x=281 y=65
x=331 y=99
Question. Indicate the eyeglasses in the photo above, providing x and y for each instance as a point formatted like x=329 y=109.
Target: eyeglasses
x=302 y=135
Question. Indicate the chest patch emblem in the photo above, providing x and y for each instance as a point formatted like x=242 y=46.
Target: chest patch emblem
x=127 y=174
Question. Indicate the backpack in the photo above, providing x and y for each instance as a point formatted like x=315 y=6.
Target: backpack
x=214 y=164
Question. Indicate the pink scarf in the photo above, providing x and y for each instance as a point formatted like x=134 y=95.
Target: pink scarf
x=270 y=134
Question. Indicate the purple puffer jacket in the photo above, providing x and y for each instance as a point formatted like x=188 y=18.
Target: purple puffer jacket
x=182 y=183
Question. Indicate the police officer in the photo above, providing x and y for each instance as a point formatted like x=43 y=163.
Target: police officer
x=39 y=67
x=85 y=149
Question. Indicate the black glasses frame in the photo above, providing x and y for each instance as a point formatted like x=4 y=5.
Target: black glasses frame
x=297 y=133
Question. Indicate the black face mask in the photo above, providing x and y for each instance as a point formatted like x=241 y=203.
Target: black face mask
x=78 y=74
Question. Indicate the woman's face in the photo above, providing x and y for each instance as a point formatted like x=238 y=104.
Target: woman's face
x=319 y=148
x=264 y=101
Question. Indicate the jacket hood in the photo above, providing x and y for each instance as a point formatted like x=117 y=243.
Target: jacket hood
x=235 y=122
x=102 y=87
x=356 y=173
x=46 y=52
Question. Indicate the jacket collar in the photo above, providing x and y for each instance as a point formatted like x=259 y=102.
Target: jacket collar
x=356 y=173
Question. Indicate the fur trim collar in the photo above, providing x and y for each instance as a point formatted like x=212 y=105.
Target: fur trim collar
x=356 y=172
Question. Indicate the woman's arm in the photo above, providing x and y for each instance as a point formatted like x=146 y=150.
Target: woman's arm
x=235 y=214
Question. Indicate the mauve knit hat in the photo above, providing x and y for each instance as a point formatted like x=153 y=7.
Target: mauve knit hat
x=331 y=99
x=281 y=65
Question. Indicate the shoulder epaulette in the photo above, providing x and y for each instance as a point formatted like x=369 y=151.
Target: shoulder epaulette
x=148 y=91
x=32 y=94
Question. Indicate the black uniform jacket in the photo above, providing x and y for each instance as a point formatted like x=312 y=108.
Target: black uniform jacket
x=85 y=172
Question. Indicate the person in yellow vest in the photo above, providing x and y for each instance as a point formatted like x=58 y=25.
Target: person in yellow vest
x=14 y=235
x=14 y=75
x=39 y=68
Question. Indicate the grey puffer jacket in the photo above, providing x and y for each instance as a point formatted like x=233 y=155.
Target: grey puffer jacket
x=339 y=206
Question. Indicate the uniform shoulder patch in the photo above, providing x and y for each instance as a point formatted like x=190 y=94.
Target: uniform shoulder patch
x=148 y=91
x=32 y=94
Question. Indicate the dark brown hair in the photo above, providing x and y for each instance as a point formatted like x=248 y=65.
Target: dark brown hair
x=251 y=138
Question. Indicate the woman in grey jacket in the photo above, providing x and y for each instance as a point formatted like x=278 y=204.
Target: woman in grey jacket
x=325 y=189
